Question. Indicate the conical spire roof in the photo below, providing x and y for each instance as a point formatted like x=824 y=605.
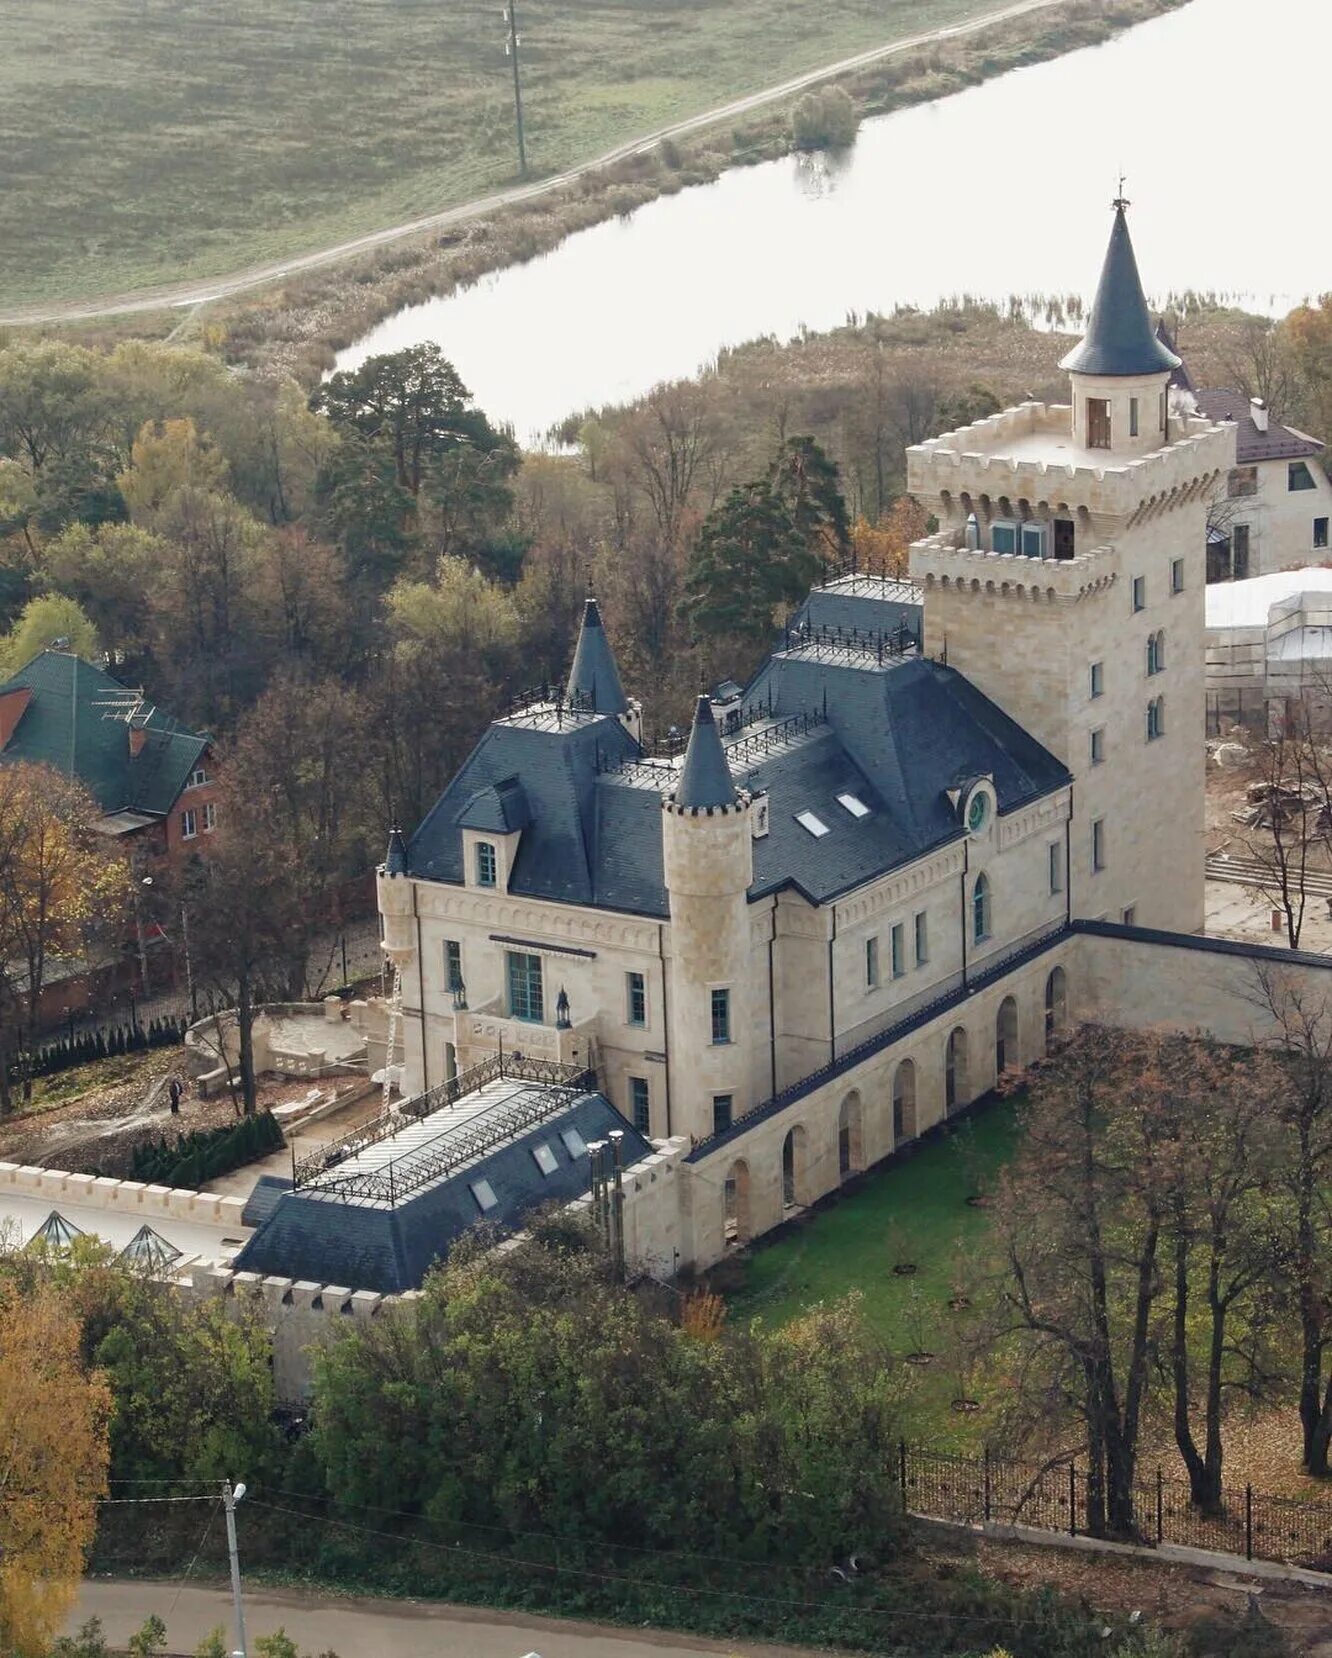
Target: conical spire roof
x=594 y=676
x=706 y=778
x=1120 y=339
x=395 y=859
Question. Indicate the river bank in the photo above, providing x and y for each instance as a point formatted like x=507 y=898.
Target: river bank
x=300 y=325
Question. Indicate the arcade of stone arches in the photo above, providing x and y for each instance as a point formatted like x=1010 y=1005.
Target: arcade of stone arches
x=961 y=1071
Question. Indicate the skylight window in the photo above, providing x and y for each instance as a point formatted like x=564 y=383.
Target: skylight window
x=484 y=1193
x=544 y=1158
x=853 y=804
x=815 y=825
x=574 y=1143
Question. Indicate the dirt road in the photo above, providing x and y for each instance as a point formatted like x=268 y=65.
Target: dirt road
x=201 y=292
x=357 y=1628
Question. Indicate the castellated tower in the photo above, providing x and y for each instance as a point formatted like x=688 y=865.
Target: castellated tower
x=1067 y=582
x=709 y=865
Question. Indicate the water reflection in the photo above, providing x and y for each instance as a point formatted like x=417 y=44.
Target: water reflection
x=1001 y=190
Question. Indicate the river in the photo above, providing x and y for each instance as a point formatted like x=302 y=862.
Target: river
x=1215 y=114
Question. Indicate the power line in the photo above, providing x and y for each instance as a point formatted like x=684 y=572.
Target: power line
x=945 y=1614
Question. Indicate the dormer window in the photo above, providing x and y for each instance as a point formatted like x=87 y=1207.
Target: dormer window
x=487 y=864
x=1003 y=536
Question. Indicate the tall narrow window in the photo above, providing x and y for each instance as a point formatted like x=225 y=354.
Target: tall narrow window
x=640 y=1104
x=1098 y=423
x=1056 y=867
x=721 y=1113
x=1155 y=718
x=1320 y=532
x=1239 y=552
x=487 y=865
x=526 y=996
x=1161 y=414
x=980 y=909
x=1133 y=417
x=453 y=977
x=1177 y=575
x=636 y=998
x=1097 y=678
x=189 y=824
x=898 y=937
x=922 y=938
x=1098 y=846
x=871 y=964
x=1139 y=593
x=1098 y=745
x=721 y=1016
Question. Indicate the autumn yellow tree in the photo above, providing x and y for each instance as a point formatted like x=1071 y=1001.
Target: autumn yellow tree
x=883 y=549
x=53 y=1463
x=59 y=881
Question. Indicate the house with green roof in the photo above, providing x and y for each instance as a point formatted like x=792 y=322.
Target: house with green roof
x=153 y=780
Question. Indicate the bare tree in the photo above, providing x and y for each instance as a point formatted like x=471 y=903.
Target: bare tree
x=1285 y=814
x=664 y=443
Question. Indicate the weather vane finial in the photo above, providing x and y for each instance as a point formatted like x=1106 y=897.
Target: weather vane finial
x=1121 y=200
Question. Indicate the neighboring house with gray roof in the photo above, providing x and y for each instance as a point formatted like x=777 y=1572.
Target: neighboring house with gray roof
x=153 y=780
x=1273 y=509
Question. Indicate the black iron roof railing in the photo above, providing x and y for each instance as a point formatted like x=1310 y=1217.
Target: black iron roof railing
x=1025 y=950
x=550 y=1073
x=558 y=698
x=824 y=641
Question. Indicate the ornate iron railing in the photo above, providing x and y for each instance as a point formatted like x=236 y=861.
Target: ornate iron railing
x=824 y=641
x=317 y=1167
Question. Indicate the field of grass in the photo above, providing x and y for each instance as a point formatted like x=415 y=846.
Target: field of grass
x=146 y=141
x=913 y=1210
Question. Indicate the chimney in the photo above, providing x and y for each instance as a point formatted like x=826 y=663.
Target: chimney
x=137 y=738
x=1258 y=413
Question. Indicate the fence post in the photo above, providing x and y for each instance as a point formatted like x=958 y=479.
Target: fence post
x=986 y=1455
x=1248 y=1522
x=901 y=1470
x=1160 y=1514
x=1072 y=1499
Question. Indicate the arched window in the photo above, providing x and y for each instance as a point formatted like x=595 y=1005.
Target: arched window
x=1156 y=652
x=1056 y=1003
x=1155 y=718
x=1160 y=652
x=955 y=1070
x=1006 y=1055
x=980 y=909
x=904 y=1102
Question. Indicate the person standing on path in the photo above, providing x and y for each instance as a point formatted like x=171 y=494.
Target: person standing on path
x=175 y=1088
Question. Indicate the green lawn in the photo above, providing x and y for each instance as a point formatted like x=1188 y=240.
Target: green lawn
x=147 y=141
x=913 y=1209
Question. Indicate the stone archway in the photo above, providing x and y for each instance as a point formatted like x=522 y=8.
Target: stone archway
x=1007 y=1053
x=738 y=1225
x=850 y=1136
x=795 y=1168
x=955 y=1070
x=1056 y=1003
x=904 y=1102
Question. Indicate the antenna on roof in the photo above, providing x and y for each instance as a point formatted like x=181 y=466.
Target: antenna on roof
x=1121 y=201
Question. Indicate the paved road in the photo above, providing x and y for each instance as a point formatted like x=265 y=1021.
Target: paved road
x=201 y=292
x=377 y=1628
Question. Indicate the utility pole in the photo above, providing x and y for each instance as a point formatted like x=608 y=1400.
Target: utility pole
x=511 y=45
x=229 y=1500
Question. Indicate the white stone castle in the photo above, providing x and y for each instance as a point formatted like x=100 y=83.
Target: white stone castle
x=944 y=817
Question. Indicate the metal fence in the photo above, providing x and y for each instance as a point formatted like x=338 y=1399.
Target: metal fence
x=1249 y=1524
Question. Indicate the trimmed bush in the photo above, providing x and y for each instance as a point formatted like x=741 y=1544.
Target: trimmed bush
x=206 y=1153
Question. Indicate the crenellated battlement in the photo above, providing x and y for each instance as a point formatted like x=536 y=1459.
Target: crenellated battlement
x=1029 y=453
x=945 y=559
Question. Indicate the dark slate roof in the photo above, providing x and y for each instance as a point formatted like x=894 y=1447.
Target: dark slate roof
x=67 y=725
x=499 y=808
x=556 y=759
x=705 y=779
x=898 y=737
x=395 y=859
x=324 y=1239
x=1120 y=339
x=594 y=675
x=864 y=604
x=1277 y=443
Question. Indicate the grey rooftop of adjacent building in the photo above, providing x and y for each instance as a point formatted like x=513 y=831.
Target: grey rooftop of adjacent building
x=389 y=1206
x=1120 y=338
